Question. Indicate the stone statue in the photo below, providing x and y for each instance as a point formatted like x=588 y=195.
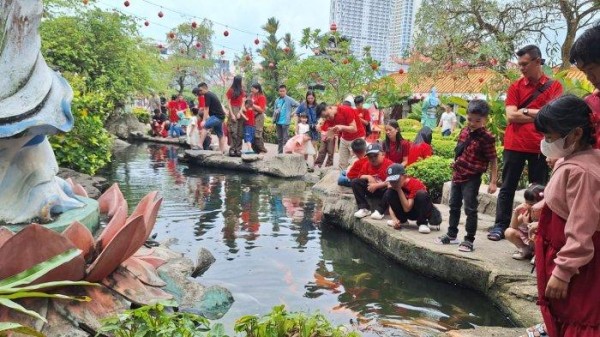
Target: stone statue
x=34 y=102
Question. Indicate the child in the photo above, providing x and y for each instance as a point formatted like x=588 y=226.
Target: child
x=475 y=151
x=523 y=216
x=371 y=182
x=327 y=148
x=301 y=143
x=159 y=124
x=359 y=147
x=193 y=131
x=249 y=126
x=421 y=148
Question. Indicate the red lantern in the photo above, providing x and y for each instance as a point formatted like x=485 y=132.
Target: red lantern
x=374 y=66
x=161 y=14
x=160 y=46
x=226 y=33
x=198 y=45
x=171 y=35
x=126 y=3
x=345 y=61
x=182 y=51
x=256 y=41
x=203 y=56
x=194 y=24
x=494 y=62
x=271 y=65
x=481 y=80
x=454 y=78
x=333 y=27
x=401 y=71
x=146 y=23
x=248 y=58
x=222 y=52
x=286 y=49
x=85 y=2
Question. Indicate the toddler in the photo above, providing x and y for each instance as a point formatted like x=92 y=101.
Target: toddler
x=524 y=223
x=249 y=125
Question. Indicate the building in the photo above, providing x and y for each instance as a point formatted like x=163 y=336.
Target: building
x=384 y=25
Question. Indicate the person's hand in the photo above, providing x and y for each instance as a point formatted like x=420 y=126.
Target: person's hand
x=556 y=288
x=335 y=128
x=551 y=162
x=492 y=188
x=372 y=187
x=521 y=209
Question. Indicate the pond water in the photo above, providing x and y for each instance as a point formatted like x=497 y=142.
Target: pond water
x=271 y=249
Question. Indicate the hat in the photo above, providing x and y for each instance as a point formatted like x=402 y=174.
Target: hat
x=374 y=148
x=394 y=172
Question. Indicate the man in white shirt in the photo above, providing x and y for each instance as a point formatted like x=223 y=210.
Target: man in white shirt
x=448 y=121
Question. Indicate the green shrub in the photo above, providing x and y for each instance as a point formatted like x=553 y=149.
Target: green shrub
x=409 y=125
x=87 y=147
x=433 y=172
x=270 y=130
x=142 y=115
x=444 y=148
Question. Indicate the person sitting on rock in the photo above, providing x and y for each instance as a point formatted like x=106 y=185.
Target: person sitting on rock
x=522 y=219
x=371 y=182
x=159 y=127
x=408 y=199
x=359 y=148
x=474 y=152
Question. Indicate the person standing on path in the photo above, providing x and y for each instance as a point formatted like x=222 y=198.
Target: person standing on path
x=343 y=121
x=214 y=115
x=448 y=121
x=524 y=99
x=284 y=106
x=235 y=126
x=309 y=107
x=259 y=106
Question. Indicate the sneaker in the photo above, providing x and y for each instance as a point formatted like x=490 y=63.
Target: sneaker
x=435 y=218
x=361 y=213
x=424 y=229
x=376 y=215
x=522 y=254
x=532 y=260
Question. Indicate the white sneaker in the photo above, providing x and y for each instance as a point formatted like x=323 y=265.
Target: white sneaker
x=376 y=215
x=361 y=213
x=424 y=229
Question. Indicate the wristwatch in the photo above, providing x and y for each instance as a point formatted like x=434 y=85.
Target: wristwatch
x=526 y=112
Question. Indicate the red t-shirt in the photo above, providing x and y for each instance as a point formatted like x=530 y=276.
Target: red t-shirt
x=524 y=137
x=173 y=106
x=355 y=170
x=418 y=152
x=364 y=114
x=397 y=154
x=182 y=105
x=235 y=102
x=412 y=186
x=345 y=115
x=379 y=172
x=261 y=101
x=201 y=101
x=594 y=103
x=250 y=121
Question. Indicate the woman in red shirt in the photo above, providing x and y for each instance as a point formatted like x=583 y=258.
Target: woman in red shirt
x=260 y=105
x=235 y=98
x=395 y=147
x=421 y=148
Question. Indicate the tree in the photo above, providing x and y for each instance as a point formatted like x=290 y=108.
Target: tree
x=577 y=14
x=190 y=47
x=465 y=33
x=245 y=66
x=272 y=55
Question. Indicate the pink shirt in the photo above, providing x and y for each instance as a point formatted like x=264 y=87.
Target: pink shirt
x=573 y=193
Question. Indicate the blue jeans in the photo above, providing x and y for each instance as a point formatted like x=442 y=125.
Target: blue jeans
x=466 y=192
x=343 y=180
x=249 y=134
x=216 y=124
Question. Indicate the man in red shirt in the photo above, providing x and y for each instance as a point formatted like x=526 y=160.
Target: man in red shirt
x=585 y=54
x=371 y=182
x=521 y=140
x=345 y=122
x=409 y=200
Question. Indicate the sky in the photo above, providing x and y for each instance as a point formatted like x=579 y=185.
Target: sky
x=246 y=15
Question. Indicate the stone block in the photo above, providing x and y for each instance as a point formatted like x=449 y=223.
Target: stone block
x=487 y=201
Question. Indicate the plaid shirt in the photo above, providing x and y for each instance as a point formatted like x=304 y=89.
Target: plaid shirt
x=475 y=158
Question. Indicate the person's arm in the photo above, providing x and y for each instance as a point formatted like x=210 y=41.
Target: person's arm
x=258 y=107
x=441 y=119
x=243 y=113
x=407 y=204
x=405 y=151
x=351 y=128
x=369 y=178
x=453 y=123
x=514 y=115
x=493 y=176
x=293 y=102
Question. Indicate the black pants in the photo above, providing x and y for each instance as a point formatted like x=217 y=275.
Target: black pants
x=359 y=188
x=514 y=162
x=468 y=192
x=420 y=211
x=282 y=136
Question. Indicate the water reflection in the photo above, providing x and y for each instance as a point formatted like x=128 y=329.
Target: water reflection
x=271 y=249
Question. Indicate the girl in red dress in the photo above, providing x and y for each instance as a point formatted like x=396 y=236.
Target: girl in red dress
x=567 y=243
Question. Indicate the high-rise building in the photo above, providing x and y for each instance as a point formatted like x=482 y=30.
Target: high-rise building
x=384 y=25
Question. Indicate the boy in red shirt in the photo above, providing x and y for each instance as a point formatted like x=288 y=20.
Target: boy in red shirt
x=173 y=106
x=359 y=148
x=327 y=148
x=371 y=182
x=408 y=199
x=248 y=115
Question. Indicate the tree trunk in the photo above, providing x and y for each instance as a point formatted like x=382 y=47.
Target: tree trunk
x=567 y=44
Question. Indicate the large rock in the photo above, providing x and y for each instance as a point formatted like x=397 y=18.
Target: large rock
x=123 y=124
x=204 y=260
x=282 y=165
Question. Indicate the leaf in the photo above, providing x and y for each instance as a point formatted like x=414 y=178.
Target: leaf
x=39 y=269
x=16 y=327
x=15 y=306
x=46 y=285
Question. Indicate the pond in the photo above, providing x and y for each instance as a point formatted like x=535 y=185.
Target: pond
x=271 y=248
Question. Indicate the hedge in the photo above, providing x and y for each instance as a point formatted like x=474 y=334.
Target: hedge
x=433 y=172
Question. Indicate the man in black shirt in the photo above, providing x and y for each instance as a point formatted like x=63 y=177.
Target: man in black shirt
x=214 y=115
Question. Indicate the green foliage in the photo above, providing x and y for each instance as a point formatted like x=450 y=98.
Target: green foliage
x=142 y=115
x=433 y=172
x=87 y=147
x=387 y=92
x=105 y=48
x=18 y=286
x=281 y=323
x=444 y=148
x=409 y=125
x=270 y=130
x=580 y=88
x=496 y=122
x=157 y=321
x=15 y=327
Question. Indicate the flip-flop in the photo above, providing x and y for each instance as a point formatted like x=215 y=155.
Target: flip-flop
x=539 y=328
x=466 y=246
x=495 y=235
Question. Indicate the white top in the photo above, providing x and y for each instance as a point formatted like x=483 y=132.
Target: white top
x=447 y=120
x=303 y=128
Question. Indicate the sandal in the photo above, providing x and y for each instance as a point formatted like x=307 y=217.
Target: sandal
x=466 y=246
x=539 y=328
x=446 y=240
x=523 y=254
x=496 y=234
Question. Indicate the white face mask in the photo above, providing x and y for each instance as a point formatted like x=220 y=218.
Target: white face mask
x=556 y=150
